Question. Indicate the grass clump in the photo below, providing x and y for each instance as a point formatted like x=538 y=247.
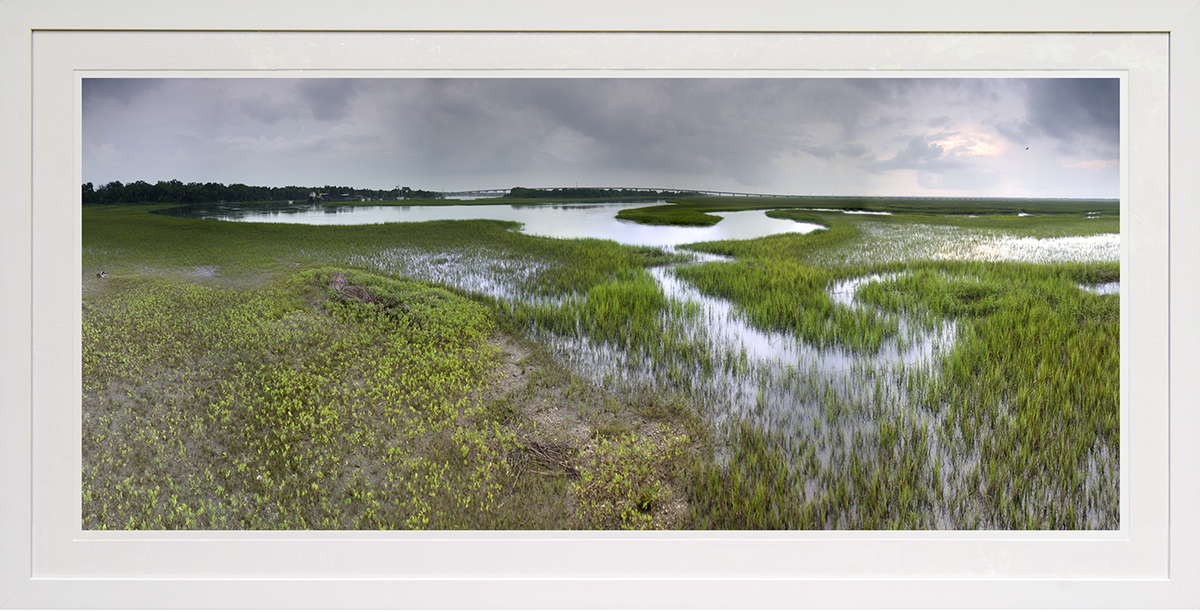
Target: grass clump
x=771 y=482
x=668 y=215
x=935 y=293
x=625 y=480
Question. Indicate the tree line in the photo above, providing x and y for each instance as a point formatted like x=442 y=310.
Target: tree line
x=176 y=191
x=193 y=193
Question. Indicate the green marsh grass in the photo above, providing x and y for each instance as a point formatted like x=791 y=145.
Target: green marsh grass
x=301 y=416
x=463 y=375
x=1015 y=427
x=231 y=381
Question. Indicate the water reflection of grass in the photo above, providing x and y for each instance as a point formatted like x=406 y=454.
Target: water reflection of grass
x=353 y=418
x=1016 y=428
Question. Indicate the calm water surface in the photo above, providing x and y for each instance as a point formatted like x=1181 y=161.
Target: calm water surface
x=551 y=220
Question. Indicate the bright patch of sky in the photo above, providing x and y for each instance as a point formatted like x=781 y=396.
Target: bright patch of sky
x=998 y=137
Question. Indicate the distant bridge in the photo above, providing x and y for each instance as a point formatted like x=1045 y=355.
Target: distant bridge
x=478 y=193
x=483 y=193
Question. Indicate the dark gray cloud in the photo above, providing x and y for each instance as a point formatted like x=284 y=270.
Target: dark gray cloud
x=733 y=127
x=920 y=154
x=854 y=149
x=1017 y=132
x=828 y=152
x=263 y=108
x=123 y=91
x=327 y=99
x=1079 y=114
x=1071 y=109
x=774 y=135
x=825 y=151
x=680 y=125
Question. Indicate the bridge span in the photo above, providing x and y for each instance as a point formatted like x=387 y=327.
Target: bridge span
x=483 y=193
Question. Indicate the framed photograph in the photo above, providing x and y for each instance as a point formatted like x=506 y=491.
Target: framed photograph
x=1108 y=87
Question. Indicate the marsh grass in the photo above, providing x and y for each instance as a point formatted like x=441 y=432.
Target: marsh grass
x=1016 y=426
x=308 y=407
x=669 y=215
x=271 y=394
x=463 y=375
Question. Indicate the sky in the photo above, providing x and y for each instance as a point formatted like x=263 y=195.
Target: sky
x=947 y=137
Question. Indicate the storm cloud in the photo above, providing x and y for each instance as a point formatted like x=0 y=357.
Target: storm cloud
x=1078 y=113
x=870 y=136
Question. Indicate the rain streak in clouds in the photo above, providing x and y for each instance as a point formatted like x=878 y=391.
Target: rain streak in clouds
x=842 y=136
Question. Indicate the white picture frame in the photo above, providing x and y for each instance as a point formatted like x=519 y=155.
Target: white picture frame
x=1152 y=562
